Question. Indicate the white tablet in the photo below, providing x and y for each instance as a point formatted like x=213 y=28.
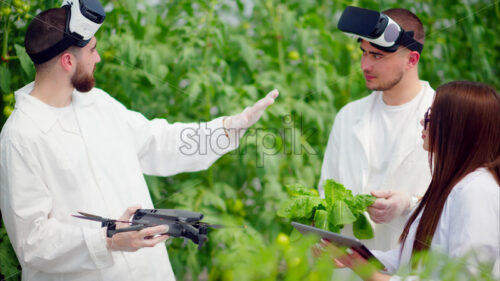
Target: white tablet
x=340 y=241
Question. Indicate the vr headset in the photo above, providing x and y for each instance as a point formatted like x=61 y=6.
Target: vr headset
x=377 y=28
x=83 y=19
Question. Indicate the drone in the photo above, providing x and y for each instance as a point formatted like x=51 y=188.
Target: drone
x=180 y=223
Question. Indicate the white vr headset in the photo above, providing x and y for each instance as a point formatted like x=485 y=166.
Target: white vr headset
x=377 y=28
x=83 y=19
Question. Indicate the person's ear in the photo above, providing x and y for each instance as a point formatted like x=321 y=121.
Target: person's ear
x=68 y=61
x=413 y=58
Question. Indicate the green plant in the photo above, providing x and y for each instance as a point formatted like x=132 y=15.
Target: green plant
x=192 y=60
x=338 y=208
x=9 y=266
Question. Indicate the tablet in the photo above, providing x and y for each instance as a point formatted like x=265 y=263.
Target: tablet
x=340 y=241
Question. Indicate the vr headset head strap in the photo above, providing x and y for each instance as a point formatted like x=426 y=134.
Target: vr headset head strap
x=407 y=39
x=69 y=38
x=67 y=41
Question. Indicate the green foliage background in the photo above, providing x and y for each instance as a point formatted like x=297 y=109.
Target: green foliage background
x=199 y=59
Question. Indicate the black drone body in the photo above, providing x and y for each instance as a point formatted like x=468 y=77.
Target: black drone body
x=180 y=223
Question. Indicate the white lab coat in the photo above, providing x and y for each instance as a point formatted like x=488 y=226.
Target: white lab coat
x=469 y=225
x=49 y=171
x=346 y=159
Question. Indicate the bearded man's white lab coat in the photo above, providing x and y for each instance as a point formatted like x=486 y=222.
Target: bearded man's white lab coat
x=90 y=157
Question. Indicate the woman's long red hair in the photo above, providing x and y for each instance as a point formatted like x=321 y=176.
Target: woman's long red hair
x=464 y=134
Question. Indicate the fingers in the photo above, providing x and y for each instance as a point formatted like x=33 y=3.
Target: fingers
x=317 y=250
x=380 y=204
x=273 y=94
x=338 y=264
x=155 y=240
x=354 y=254
x=129 y=212
x=375 y=212
x=134 y=240
x=147 y=235
x=250 y=115
x=265 y=102
x=152 y=231
x=260 y=105
x=376 y=215
x=382 y=193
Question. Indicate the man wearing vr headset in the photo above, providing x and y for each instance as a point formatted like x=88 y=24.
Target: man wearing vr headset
x=70 y=147
x=374 y=146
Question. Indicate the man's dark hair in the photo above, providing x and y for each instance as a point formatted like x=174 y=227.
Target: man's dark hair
x=45 y=30
x=408 y=21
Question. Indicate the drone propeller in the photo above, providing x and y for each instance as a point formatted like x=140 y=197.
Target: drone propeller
x=88 y=216
x=98 y=218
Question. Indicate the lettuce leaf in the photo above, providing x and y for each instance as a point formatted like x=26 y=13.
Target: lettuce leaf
x=362 y=228
x=340 y=207
x=300 y=207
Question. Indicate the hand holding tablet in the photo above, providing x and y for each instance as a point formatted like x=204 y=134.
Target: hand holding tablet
x=341 y=241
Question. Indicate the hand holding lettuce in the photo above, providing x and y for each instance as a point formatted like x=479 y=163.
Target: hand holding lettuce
x=338 y=208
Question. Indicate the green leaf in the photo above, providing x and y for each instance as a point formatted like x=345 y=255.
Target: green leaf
x=358 y=203
x=295 y=235
x=25 y=60
x=335 y=192
x=212 y=199
x=194 y=88
x=8 y=260
x=321 y=219
x=362 y=228
x=298 y=189
x=247 y=53
x=335 y=228
x=4 y=79
x=340 y=214
x=131 y=7
x=299 y=207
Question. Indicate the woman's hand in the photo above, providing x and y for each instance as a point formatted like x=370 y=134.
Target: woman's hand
x=353 y=260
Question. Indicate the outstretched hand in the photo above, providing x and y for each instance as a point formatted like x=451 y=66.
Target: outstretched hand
x=388 y=206
x=250 y=115
x=132 y=241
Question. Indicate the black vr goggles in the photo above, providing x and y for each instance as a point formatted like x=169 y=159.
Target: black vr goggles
x=83 y=19
x=377 y=28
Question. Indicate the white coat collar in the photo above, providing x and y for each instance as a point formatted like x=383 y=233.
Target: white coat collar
x=40 y=112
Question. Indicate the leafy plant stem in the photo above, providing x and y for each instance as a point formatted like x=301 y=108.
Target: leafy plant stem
x=497 y=9
x=5 y=40
x=275 y=14
x=199 y=200
x=208 y=22
x=208 y=93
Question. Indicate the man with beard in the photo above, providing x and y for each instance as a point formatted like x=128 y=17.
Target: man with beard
x=70 y=147
x=374 y=146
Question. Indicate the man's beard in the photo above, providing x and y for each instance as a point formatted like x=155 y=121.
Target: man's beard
x=388 y=85
x=82 y=81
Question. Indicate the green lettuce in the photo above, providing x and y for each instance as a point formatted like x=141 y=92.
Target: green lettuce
x=338 y=208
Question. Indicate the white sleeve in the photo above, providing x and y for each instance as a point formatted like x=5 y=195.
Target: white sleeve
x=329 y=168
x=165 y=149
x=42 y=242
x=474 y=225
x=390 y=259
